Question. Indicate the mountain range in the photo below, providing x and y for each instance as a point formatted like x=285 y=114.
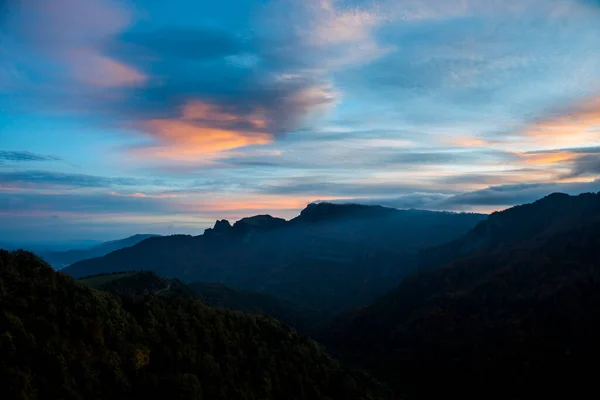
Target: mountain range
x=331 y=258
x=505 y=306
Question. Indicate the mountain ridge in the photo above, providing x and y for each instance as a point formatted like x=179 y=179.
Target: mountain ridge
x=335 y=261
x=515 y=320
x=538 y=219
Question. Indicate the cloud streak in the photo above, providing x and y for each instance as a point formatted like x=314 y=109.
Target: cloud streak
x=26 y=156
x=57 y=179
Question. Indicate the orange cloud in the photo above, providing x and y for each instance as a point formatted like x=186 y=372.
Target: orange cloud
x=578 y=127
x=552 y=158
x=203 y=130
x=204 y=112
x=466 y=141
x=260 y=203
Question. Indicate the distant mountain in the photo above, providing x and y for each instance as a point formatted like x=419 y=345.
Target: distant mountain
x=527 y=222
x=62 y=340
x=61 y=259
x=332 y=257
x=518 y=319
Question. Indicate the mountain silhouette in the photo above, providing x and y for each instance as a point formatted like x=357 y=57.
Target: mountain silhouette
x=331 y=258
x=527 y=222
x=518 y=318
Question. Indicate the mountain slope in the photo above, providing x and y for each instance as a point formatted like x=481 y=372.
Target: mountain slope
x=331 y=258
x=537 y=220
x=515 y=322
x=60 y=339
x=217 y=295
x=61 y=259
x=211 y=294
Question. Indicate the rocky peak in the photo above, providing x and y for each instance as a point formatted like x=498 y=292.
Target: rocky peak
x=221 y=227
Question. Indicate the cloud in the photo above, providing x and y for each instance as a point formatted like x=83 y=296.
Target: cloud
x=415 y=200
x=487 y=200
x=346 y=32
x=246 y=204
x=198 y=44
x=96 y=204
x=322 y=187
x=96 y=70
x=73 y=36
x=586 y=150
x=204 y=129
x=148 y=79
x=48 y=179
x=25 y=156
x=510 y=195
x=585 y=166
x=577 y=125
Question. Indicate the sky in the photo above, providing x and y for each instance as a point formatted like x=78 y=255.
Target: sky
x=146 y=116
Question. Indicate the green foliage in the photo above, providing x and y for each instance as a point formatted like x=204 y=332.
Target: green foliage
x=62 y=340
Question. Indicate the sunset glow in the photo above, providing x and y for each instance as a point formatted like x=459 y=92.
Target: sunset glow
x=116 y=111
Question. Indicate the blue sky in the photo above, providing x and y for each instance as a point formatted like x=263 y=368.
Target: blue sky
x=119 y=117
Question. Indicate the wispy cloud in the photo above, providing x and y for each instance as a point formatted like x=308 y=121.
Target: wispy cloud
x=505 y=196
x=74 y=35
x=25 y=156
x=57 y=179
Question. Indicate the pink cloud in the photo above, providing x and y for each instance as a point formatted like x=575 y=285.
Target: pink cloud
x=73 y=34
x=202 y=130
x=95 y=69
x=144 y=195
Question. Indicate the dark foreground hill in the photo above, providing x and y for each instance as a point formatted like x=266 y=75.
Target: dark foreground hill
x=211 y=294
x=62 y=340
x=61 y=259
x=217 y=295
x=332 y=257
x=518 y=321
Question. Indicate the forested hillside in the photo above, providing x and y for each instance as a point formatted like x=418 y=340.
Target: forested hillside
x=62 y=340
x=212 y=294
x=517 y=322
